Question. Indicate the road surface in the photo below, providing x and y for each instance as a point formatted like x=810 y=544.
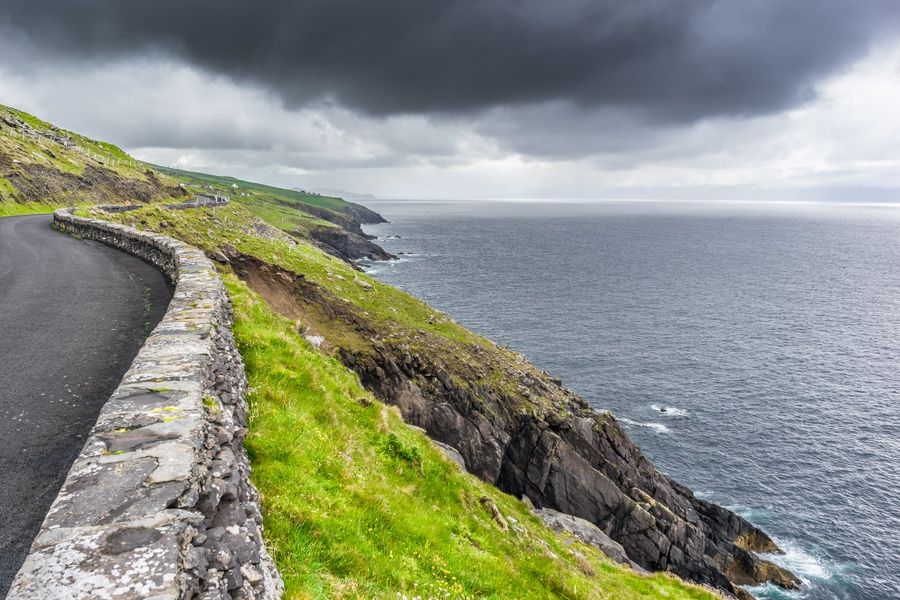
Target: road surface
x=73 y=315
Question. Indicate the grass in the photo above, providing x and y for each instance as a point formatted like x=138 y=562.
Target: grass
x=54 y=165
x=233 y=224
x=359 y=505
x=48 y=153
x=11 y=209
x=225 y=184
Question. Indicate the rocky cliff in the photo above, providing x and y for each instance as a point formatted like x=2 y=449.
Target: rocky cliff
x=347 y=240
x=567 y=457
x=518 y=428
x=348 y=245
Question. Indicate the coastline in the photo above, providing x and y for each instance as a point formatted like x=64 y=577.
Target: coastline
x=752 y=540
x=750 y=438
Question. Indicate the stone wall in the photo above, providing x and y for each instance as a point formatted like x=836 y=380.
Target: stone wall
x=159 y=503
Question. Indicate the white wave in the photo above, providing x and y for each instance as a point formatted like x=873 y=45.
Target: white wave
x=669 y=411
x=657 y=427
x=373 y=267
x=769 y=591
x=370 y=268
x=808 y=567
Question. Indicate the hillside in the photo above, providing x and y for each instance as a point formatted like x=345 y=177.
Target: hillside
x=42 y=166
x=366 y=402
x=331 y=222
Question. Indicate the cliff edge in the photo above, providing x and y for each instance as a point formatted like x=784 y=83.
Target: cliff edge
x=510 y=423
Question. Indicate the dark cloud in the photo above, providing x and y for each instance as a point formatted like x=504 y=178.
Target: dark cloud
x=667 y=61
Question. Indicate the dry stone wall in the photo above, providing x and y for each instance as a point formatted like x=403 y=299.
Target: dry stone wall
x=159 y=503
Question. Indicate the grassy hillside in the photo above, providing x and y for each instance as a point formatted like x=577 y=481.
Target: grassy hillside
x=356 y=503
x=42 y=167
x=280 y=208
x=230 y=185
x=359 y=505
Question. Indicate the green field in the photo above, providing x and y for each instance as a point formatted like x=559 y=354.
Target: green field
x=226 y=185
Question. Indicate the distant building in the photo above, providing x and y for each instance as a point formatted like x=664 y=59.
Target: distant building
x=210 y=199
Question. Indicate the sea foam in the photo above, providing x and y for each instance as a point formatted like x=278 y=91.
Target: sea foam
x=669 y=411
x=811 y=570
x=657 y=427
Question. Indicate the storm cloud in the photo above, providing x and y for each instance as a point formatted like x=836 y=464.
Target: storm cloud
x=480 y=99
x=662 y=61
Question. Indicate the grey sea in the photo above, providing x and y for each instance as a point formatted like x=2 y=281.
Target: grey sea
x=753 y=351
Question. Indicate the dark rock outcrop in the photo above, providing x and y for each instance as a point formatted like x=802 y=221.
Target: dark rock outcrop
x=351 y=217
x=348 y=245
x=361 y=214
x=561 y=454
x=347 y=240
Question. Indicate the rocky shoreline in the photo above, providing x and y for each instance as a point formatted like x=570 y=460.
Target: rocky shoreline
x=536 y=440
x=346 y=240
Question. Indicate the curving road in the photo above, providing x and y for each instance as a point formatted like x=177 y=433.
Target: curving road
x=73 y=315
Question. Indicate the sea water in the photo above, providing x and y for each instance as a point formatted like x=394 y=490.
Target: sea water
x=753 y=351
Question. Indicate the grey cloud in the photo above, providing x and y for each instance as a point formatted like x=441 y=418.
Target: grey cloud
x=664 y=61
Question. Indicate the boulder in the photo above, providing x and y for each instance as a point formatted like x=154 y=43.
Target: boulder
x=588 y=533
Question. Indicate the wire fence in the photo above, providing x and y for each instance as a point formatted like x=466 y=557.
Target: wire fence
x=102 y=158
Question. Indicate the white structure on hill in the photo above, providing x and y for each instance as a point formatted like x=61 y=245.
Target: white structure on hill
x=210 y=199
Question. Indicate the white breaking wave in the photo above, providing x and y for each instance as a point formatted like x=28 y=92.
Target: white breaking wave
x=809 y=568
x=669 y=411
x=801 y=562
x=657 y=427
x=373 y=267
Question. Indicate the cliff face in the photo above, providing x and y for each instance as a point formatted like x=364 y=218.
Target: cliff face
x=518 y=428
x=576 y=461
x=346 y=240
x=348 y=245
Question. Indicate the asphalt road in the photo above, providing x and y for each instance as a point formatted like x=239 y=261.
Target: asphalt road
x=73 y=315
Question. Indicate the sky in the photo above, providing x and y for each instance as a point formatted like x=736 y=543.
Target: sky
x=530 y=99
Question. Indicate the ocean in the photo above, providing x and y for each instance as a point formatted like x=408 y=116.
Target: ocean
x=751 y=350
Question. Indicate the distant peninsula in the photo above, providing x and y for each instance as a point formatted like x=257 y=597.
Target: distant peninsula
x=338 y=193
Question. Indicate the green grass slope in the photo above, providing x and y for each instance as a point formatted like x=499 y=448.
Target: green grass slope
x=277 y=207
x=232 y=185
x=356 y=503
x=43 y=167
x=359 y=505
